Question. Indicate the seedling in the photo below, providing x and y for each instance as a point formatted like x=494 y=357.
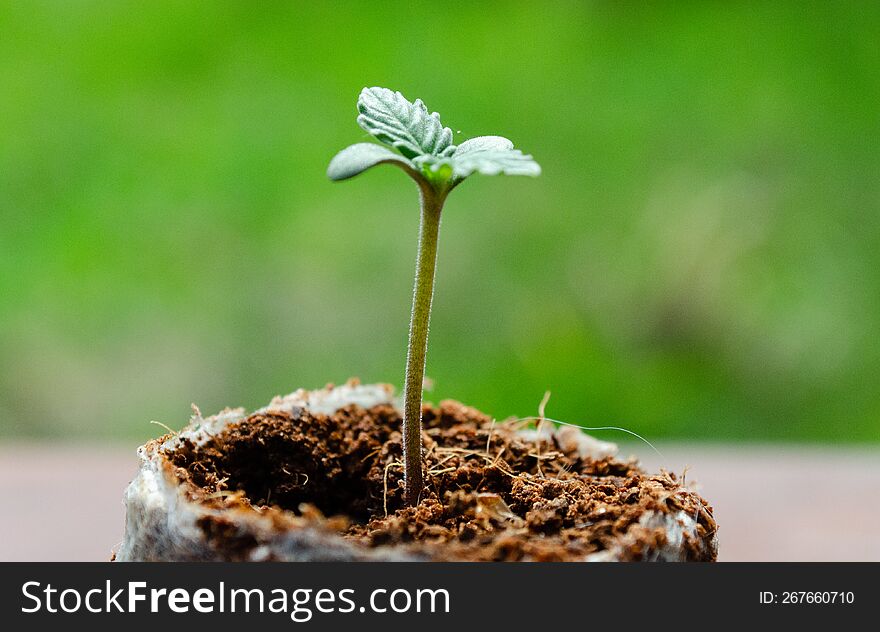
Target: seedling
x=427 y=155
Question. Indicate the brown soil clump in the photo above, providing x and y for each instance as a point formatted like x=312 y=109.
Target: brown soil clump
x=490 y=494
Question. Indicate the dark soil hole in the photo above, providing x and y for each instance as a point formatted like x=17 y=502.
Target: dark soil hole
x=283 y=460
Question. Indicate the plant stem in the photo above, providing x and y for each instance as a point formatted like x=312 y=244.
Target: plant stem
x=423 y=293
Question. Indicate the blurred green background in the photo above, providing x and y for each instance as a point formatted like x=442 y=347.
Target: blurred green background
x=700 y=259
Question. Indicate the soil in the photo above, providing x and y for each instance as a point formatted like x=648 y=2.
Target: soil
x=490 y=493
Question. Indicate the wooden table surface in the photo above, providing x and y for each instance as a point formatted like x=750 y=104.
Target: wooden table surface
x=773 y=503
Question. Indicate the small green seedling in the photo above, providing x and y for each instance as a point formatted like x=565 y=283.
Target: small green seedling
x=427 y=155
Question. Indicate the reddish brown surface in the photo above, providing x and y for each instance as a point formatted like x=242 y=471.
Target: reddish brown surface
x=773 y=503
x=490 y=493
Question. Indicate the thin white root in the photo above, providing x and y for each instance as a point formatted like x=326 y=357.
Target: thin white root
x=161 y=425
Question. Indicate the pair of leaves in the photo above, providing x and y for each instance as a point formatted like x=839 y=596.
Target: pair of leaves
x=425 y=145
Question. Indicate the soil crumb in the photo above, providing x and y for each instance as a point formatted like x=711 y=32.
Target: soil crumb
x=492 y=493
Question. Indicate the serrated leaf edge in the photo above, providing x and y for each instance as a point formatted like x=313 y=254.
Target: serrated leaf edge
x=436 y=139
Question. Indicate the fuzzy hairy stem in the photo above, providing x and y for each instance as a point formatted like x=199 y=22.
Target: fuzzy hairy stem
x=423 y=293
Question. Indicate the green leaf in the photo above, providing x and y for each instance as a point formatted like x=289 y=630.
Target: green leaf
x=492 y=162
x=484 y=143
x=408 y=127
x=358 y=158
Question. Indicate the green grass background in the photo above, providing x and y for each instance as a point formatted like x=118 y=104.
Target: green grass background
x=699 y=259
